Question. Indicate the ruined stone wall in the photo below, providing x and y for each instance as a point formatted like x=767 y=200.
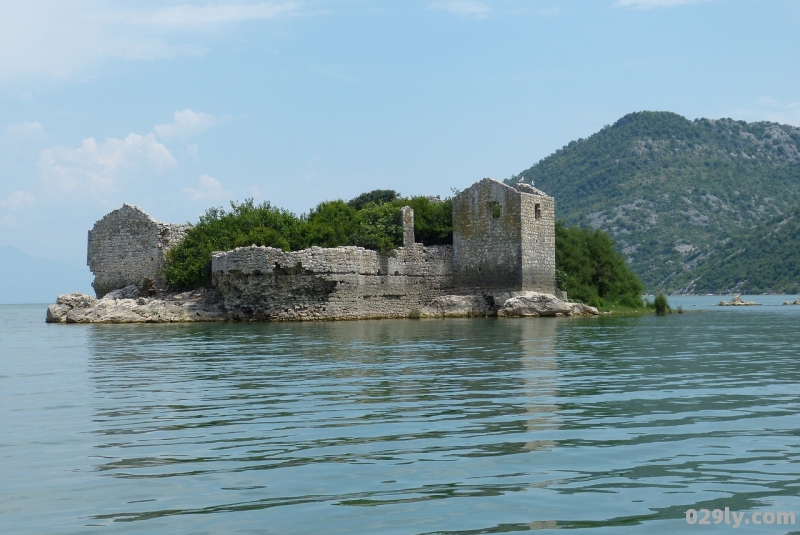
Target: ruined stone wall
x=127 y=246
x=339 y=283
x=487 y=234
x=503 y=240
x=538 y=242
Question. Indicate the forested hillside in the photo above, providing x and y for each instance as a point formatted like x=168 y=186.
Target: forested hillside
x=765 y=259
x=676 y=194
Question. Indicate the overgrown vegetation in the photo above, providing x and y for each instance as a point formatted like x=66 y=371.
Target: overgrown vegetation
x=589 y=269
x=371 y=220
x=660 y=304
x=588 y=266
x=672 y=191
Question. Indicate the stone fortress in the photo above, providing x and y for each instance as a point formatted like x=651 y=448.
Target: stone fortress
x=502 y=262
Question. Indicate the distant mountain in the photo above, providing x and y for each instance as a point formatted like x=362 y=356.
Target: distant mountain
x=676 y=194
x=27 y=279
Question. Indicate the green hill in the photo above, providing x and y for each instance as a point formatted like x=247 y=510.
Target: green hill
x=680 y=197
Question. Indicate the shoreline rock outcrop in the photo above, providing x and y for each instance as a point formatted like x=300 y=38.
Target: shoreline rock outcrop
x=795 y=302
x=126 y=306
x=534 y=304
x=737 y=302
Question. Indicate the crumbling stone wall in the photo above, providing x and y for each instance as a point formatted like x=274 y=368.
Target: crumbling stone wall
x=504 y=238
x=337 y=283
x=127 y=246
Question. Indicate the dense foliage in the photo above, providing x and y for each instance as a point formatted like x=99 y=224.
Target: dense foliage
x=660 y=303
x=371 y=220
x=670 y=191
x=189 y=263
x=589 y=269
x=765 y=259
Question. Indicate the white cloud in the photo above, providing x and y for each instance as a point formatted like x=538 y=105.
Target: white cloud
x=464 y=8
x=57 y=38
x=186 y=124
x=190 y=15
x=32 y=129
x=210 y=190
x=17 y=200
x=95 y=168
x=652 y=4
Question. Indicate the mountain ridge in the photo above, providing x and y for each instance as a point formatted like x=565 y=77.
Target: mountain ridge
x=673 y=192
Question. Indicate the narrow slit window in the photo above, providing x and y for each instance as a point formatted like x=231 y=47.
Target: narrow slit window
x=537 y=211
x=495 y=210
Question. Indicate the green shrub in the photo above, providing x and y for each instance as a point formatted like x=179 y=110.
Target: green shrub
x=660 y=304
x=371 y=220
x=590 y=270
x=189 y=263
x=376 y=196
x=433 y=221
x=330 y=224
x=378 y=227
x=262 y=236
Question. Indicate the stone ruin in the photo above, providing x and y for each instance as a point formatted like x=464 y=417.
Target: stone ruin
x=128 y=247
x=503 y=245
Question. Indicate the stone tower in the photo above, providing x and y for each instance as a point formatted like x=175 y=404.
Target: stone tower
x=504 y=238
x=129 y=247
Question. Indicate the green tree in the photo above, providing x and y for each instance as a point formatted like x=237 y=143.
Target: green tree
x=189 y=263
x=589 y=268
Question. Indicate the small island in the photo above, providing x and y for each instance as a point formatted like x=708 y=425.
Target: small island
x=488 y=251
x=737 y=302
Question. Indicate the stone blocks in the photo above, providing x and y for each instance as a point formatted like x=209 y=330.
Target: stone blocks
x=127 y=246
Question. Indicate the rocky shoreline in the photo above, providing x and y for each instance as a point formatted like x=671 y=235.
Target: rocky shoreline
x=128 y=306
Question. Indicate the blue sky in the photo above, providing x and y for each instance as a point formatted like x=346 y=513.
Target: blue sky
x=177 y=105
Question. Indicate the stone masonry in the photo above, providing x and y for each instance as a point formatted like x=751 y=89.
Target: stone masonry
x=128 y=247
x=338 y=283
x=504 y=238
x=503 y=244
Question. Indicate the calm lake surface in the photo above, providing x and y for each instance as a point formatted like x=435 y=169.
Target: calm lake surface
x=610 y=424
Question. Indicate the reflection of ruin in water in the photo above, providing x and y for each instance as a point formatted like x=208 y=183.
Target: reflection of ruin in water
x=538 y=357
x=237 y=384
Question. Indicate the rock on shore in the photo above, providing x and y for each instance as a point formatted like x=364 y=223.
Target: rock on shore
x=125 y=306
x=518 y=304
x=508 y=304
x=795 y=302
x=737 y=302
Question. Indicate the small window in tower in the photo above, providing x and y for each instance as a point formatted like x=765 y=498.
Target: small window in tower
x=496 y=211
x=537 y=211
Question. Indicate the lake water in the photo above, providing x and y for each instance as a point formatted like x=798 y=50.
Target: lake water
x=609 y=424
